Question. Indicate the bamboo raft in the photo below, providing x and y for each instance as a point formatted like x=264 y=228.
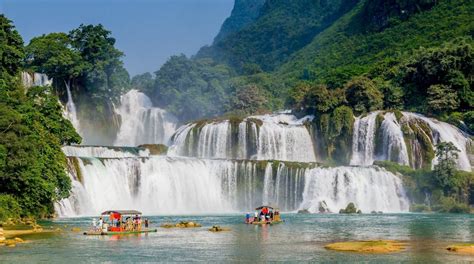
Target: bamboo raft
x=111 y=233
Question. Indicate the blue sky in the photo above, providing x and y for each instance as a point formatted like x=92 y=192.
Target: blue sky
x=148 y=31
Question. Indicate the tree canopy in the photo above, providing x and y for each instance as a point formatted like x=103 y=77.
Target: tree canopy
x=32 y=131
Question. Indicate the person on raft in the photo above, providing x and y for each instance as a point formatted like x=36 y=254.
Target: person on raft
x=265 y=215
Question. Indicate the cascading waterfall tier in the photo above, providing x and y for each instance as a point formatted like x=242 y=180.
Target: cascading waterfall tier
x=406 y=138
x=142 y=123
x=177 y=185
x=369 y=188
x=35 y=79
x=235 y=165
x=265 y=137
x=104 y=151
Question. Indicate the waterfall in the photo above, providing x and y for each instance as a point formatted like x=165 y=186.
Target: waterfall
x=385 y=140
x=142 y=123
x=104 y=152
x=444 y=132
x=393 y=144
x=219 y=166
x=35 y=79
x=70 y=111
x=370 y=189
x=284 y=137
x=363 y=140
x=177 y=185
x=266 y=137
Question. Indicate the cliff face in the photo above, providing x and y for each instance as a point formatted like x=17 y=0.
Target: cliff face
x=243 y=13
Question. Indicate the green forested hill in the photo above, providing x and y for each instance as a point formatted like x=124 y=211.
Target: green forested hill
x=281 y=28
x=356 y=44
x=306 y=43
x=243 y=13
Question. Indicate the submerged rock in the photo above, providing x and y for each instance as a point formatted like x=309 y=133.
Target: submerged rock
x=303 y=211
x=218 y=229
x=373 y=246
x=182 y=224
x=466 y=248
x=167 y=225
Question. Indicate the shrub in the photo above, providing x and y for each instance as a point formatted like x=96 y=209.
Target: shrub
x=9 y=207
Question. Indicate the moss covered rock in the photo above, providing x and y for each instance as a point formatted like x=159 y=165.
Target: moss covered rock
x=155 y=149
x=350 y=209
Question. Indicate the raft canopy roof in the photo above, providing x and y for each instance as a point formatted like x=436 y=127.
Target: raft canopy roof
x=122 y=212
x=263 y=206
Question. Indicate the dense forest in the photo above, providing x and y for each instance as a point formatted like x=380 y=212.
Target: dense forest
x=334 y=59
x=32 y=131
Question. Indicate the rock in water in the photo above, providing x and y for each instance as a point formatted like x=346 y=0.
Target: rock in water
x=303 y=211
x=350 y=209
x=2 y=236
x=323 y=207
x=467 y=248
x=377 y=246
x=218 y=229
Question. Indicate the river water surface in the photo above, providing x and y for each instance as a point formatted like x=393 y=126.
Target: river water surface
x=300 y=239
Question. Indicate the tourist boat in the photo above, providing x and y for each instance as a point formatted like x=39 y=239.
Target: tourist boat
x=120 y=222
x=274 y=212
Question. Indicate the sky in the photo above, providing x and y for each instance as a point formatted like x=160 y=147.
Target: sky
x=147 y=31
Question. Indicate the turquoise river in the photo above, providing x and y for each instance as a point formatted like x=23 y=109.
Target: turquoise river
x=300 y=239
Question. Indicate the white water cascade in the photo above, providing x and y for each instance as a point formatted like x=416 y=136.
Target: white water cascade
x=142 y=123
x=70 y=111
x=363 y=140
x=35 y=79
x=393 y=142
x=166 y=185
x=265 y=137
x=104 y=152
x=444 y=132
x=370 y=189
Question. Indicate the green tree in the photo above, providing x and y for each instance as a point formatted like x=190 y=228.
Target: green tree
x=143 y=82
x=316 y=98
x=363 y=95
x=32 y=130
x=11 y=49
x=392 y=94
x=441 y=98
x=441 y=78
x=248 y=99
x=445 y=170
x=96 y=46
x=53 y=55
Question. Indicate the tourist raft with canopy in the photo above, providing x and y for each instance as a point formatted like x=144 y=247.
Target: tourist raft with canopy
x=264 y=215
x=118 y=222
